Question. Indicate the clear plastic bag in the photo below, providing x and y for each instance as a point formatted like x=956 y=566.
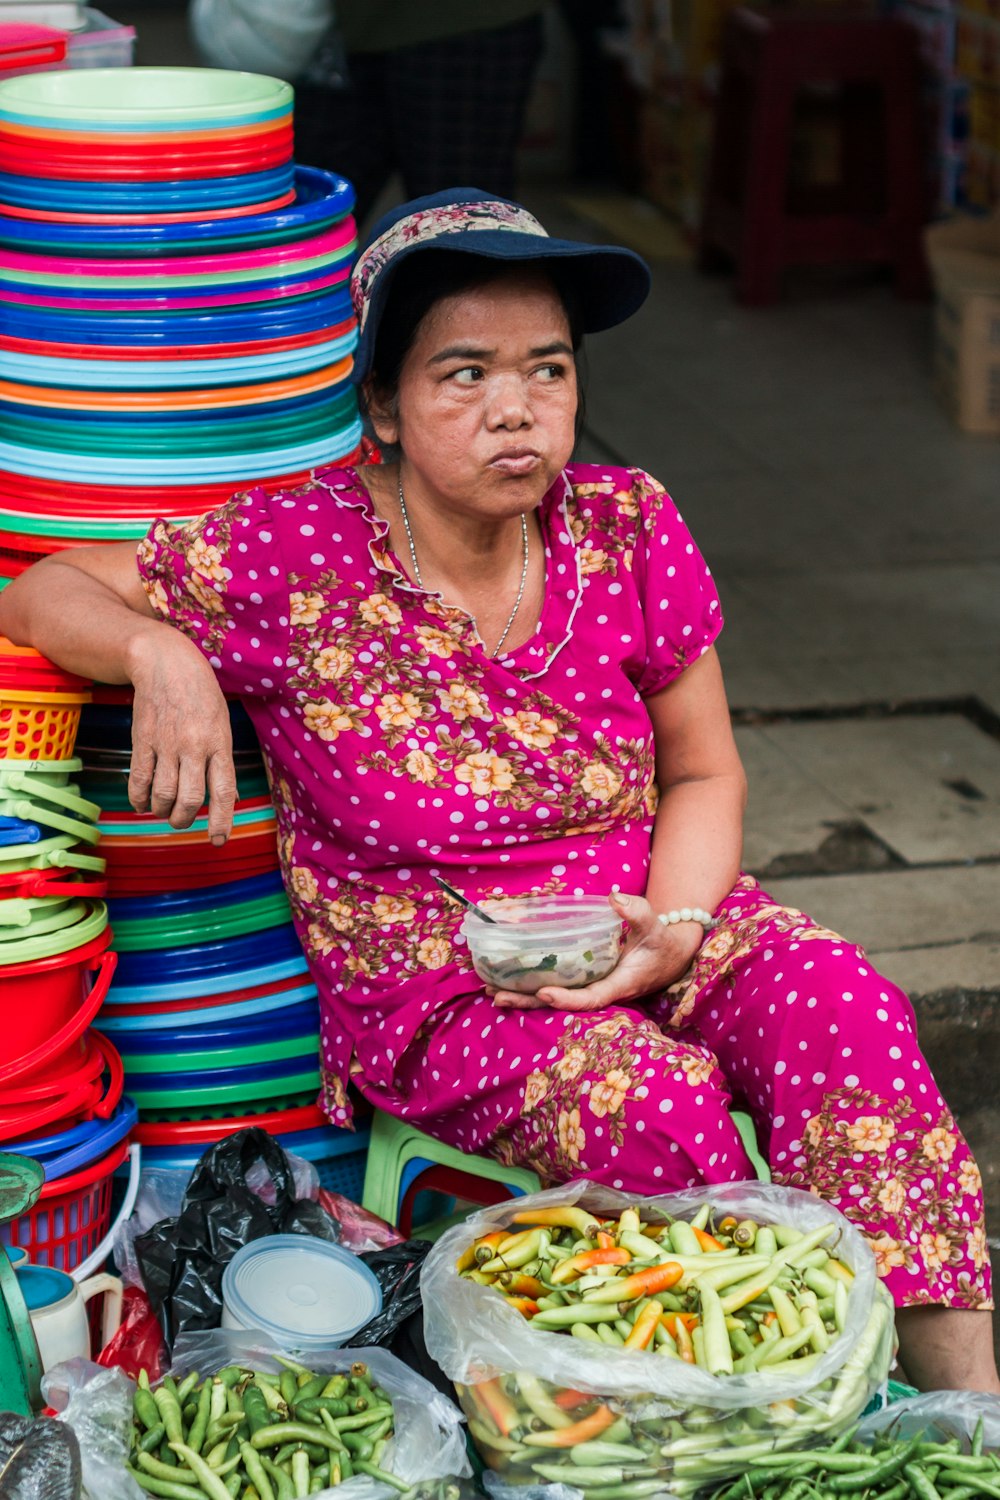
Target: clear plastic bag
x=96 y=1404
x=428 y=1443
x=695 y=1425
x=941 y=1414
x=161 y=1196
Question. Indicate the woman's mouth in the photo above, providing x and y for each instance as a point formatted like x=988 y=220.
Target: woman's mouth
x=516 y=461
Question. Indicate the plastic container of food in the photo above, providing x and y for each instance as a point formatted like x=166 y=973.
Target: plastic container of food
x=538 y=940
x=305 y=1293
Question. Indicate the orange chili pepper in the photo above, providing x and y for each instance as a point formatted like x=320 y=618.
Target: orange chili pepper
x=486 y=1246
x=707 y=1241
x=577 y=1432
x=605 y=1241
x=467 y=1260
x=566 y=1270
x=644 y=1283
x=517 y=1284
x=502 y=1412
x=687 y=1321
x=526 y=1305
x=645 y=1326
x=685 y=1344
x=771 y=1317
x=569 y=1399
x=728 y=1224
x=568 y=1216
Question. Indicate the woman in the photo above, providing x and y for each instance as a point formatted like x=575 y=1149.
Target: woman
x=472 y=660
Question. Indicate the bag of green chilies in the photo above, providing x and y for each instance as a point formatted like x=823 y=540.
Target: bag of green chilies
x=666 y=1426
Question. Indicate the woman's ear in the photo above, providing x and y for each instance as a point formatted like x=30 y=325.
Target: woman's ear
x=380 y=408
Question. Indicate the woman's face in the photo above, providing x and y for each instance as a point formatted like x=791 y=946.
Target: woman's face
x=487 y=398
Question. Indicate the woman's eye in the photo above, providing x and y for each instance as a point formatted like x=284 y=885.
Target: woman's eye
x=551 y=372
x=468 y=376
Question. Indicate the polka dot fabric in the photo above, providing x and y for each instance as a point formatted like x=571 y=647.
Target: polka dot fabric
x=780 y=1014
x=398 y=748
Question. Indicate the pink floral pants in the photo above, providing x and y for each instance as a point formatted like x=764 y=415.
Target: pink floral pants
x=776 y=1013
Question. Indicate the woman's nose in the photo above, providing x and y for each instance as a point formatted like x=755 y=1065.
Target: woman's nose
x=509 y=403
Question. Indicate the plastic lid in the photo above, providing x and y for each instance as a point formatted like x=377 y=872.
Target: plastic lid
x=304 y=1292
x=41 y=1286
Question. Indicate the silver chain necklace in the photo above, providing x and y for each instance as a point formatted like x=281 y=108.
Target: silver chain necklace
x=524 y=569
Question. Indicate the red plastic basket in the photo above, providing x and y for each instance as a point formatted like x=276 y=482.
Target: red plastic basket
x=71 y=1217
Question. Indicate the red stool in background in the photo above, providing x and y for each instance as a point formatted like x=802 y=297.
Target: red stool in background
x=875 y=213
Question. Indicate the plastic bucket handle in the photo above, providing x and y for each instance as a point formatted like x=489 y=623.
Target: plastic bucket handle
x=74 y=1028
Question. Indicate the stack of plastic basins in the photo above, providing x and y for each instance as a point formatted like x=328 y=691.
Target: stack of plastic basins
x=61 y=1081
x=174 y=312
x=175 y=324
x=212 y=1006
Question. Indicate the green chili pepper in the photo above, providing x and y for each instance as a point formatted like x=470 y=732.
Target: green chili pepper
x=152 y=1439
x=199 y=1427
x=283 y=1487
x=921 y=1484
x=166 y=1488
x=146 y=1408
x=363 y=1467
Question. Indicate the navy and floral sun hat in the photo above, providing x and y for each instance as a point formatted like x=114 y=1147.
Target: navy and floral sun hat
x=611 y=282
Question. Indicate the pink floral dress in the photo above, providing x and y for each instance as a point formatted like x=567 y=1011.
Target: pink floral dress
x=398 y=750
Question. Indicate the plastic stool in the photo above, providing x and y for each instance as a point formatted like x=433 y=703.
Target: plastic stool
x=877 y=210
x=403 y=1161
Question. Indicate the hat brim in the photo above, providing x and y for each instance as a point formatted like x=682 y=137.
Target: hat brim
x=609 y=282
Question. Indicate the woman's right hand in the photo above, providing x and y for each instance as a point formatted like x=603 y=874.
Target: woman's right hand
x=181 y=736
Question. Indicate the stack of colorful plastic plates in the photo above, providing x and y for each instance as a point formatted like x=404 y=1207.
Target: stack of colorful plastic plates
x=174 y=290
x=148 y=142
x=321 y=199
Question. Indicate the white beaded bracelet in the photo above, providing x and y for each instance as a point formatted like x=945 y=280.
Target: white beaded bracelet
x=689 y=914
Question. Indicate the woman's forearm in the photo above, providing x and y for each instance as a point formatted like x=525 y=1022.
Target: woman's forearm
x=697 y=842
x=80 y=621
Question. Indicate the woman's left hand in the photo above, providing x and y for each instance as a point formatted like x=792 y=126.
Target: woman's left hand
x=653 y=957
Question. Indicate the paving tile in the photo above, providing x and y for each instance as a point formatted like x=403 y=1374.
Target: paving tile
x=754 y=682
x=900 y=909
x=925 y=971
x=893 y=775
x=788 y=811
x=843 y=614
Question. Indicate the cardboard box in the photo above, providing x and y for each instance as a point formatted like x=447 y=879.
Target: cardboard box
x=964 y=255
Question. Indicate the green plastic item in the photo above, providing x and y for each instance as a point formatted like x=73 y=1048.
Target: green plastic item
x=21 y=1181
x=221 y=1112
x=232 y=435
x=744 y=1125
x=134 y=935
x=51 y=772
x=31 y=812
x=221 y=1057
x=46 y=945
x=146 y=98
x=66 y=796
x=198 y=825
x=42 y=923
x=56 y=853
x=179 y=1097
x=393 y=1144
x=112 y=795
x=159 y=281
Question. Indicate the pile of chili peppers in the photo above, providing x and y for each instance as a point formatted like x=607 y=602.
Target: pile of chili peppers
x=729 y=1297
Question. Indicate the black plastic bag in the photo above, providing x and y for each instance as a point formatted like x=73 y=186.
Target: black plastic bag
x=38 y=1457
x=397 y=1271
x=182 y=1259
x=399 y=1327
